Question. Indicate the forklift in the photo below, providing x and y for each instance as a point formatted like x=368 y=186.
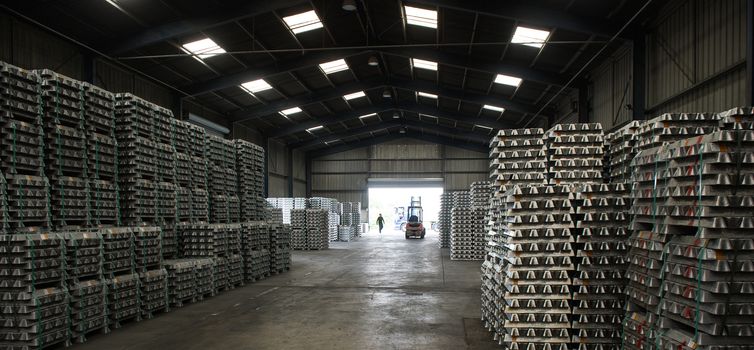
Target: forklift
x=415 y=214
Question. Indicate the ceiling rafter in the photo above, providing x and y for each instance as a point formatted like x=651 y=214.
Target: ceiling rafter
x=343 y=147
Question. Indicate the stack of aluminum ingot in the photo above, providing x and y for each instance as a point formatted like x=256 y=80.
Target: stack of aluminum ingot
x=190 y=150
x=101 y=156
x=250 y=168
x=220 y=274
x=166 y=216
x=181 y=281
x=87 y=308
x=317 y=234
x=21 y=150
x=461 y=200
x=599 y=283
x=276 y=215
x=147 y=247
x=203 y=273
x=221 y=162
x=299 y=239
x=33 y=298
x=350 y=217
x=518 y=156
x=117 y=251
x=3 y=205
x=537 y=260
x=670 y=127
x=153 y=292
x=446 y=200
x=118 y=266
x=280 y=248
x=235 y=270
x=196 y=240
x=255 y=241
x=621 y=145
x=122 y=299
x=480 y=193
x=467 y=235
x=84 y=256
x=65 y=148
x=576 y=153
x=258 y=265
x=739 y=118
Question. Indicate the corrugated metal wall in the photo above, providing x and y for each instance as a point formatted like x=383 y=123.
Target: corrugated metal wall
x=344 y=175
x=612 y=89
x=278 y=172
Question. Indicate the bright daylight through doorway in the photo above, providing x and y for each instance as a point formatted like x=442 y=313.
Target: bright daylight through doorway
x=392 y=203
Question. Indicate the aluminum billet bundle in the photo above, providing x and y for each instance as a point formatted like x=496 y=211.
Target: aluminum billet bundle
x=235 y=270
x=153 y=292
x=147 y=248
x=518 y=156
x=444 y=219
x=621 y=146
x=181 y=281
x=28 y=202
x=670 y=127
x=99 y=110
x=204 y=268
x=87 y=308
x=601 y=261
x=122 y=299
x=575 y=153
x=535 y=265
x=117 y=251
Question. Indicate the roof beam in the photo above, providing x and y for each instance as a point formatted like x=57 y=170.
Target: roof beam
x=194 y=25
x=330 y=120
x=392 y=137
x=530 y=14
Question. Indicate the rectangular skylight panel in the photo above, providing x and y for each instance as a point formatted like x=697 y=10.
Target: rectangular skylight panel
x=530 y=37
x=256 y=86
x=333 y=66
x=494 y=108
x=424 y=64
x=204 y=48
x=315 y=128
x=426 y=94
x=354 y=95
x=420 y=17
x=483 y=127
x=367 y=115
x=303 y=22
x=289 y=111
x=507 y=80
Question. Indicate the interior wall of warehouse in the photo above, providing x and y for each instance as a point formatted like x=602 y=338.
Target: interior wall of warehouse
x=344 y=175
x=695 y=62
x=278 y=170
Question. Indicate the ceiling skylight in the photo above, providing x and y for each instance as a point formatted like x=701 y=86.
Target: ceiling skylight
x=421 y=17
x=494 y=108
x=424 y=64
x=530 y=37
x=303 y=22
x=314 y=128
x=426 y=94
x=368 y=115
x=354 y=95
x=483 y=127
x=256 y=86
x=204 y=48
x=289 y=111
x=507 y=80
x=333 y=66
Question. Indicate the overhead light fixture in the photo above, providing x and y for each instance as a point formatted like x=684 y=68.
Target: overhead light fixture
x=303 y=22
x=420 y=17
x=255 y=86
x=427 y=116
x=507 y=80
x=349 y=5
x=332 y=141
x=372 y=61
x=530 y=37
x=354 y=95
x=314 y=128
x=494 y=108
x=333 y=66
x=426 y=94
x=368 y=115
x=424 y=64
x=483 y=127
x=289 y=111
x=204 y=48
x=396 y=115
x=402 y=131
x=386 y=94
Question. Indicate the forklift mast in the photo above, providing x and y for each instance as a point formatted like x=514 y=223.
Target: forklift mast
x=415 y=209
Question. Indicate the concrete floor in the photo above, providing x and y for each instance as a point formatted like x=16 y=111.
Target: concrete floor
x=374 y=293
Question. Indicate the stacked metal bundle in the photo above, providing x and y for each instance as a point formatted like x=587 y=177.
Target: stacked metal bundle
x=276 y=215
x=87 y=308
x=181 y=281
x=461 y=200
x=32 y=294
x=739 y=118
x=122 y=299
x=257 y=265
x=467 y=234
x=62 y=101
x=299 y=240
x=166 y=217
x=346 y=233
x=203 y=274
x=280 y=247
x=480 y=193
x=518 y=156
x=221 y=158
x=153 y=292
x=285 y=204
x=235 y=270
x=220 y=276
x=137 y=159
x=317 y=233
x=621 y=146
x=147 y=249
x=101 y=156
x=254 y=239
x=3 y=205
x=670 y=127
x=350 y=218
x=83 y=256
x=576 y=153
x=250 y=179
x=195 y=239
x=183 y=204
x=117 y=251
x=333 y=221
x=599 y=283
x=444 y=216
x=534 y=309
x=28 y=202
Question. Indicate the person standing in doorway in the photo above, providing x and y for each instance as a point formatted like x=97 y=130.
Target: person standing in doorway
x=380 y=222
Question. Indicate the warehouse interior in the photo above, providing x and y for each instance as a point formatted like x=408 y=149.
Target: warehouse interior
x=208 y=174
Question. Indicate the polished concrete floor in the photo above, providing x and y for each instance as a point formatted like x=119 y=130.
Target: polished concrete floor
x=374 y=293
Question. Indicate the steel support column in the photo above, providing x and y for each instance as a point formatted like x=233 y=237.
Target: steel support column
x=583 y=103
x=750 y=52
x=290 y=172
x=308 y=170
x=638 y=61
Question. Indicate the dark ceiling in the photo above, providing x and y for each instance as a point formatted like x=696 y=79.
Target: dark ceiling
x=262 y=46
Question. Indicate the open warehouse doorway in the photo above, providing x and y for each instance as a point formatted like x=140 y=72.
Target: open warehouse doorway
x=392 y=197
